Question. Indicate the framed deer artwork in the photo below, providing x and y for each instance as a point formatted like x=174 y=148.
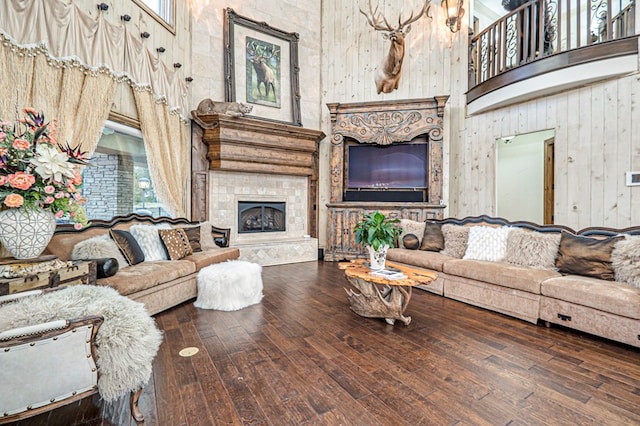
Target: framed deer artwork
x=261 y=69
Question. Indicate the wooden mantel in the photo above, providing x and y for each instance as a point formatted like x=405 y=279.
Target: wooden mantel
x=250 y=145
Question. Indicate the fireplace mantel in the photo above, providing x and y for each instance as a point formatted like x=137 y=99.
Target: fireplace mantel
x=251 y=145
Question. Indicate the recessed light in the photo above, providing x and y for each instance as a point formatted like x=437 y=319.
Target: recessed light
x=187 y=352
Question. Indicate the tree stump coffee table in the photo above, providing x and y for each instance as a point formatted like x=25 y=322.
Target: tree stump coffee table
x=380 y=297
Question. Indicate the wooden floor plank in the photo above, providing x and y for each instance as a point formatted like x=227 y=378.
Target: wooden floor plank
x=302 y=357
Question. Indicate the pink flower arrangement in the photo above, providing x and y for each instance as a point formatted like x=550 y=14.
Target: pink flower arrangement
x=36 y=172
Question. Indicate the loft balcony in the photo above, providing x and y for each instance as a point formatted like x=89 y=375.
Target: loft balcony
x=543 y=47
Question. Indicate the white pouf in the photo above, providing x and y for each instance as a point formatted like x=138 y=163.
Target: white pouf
x=229 y=286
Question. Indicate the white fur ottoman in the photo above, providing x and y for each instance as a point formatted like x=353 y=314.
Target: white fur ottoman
x=229 y=286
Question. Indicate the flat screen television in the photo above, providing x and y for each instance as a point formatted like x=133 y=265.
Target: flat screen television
x=396 y=166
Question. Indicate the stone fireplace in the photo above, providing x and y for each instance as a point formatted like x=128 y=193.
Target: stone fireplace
x=263 y=175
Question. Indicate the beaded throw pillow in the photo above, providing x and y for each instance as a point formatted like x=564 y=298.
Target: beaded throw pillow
x=177 y=243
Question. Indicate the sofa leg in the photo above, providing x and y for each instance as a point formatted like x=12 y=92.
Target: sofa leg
x=547 y=324
x=135 y=410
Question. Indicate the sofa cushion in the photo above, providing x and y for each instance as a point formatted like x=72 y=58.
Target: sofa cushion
x=586 y=256
x=421 y=259
x=486 y=243
x=625 y=259
x=98 y=247
x=193 y=234
x=209 y=257
x=607 y=296
x=432 y=238
x=455 y=240
x=206 y=239
x=176 y=242
x=530 y=248
x=148 y=239
x=128 y=246
x=145 y=275
x=499 y=273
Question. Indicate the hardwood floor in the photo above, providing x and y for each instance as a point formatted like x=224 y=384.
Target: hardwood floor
x=301 y=357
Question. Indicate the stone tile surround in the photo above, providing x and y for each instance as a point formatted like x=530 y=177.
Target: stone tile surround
x=226 y=188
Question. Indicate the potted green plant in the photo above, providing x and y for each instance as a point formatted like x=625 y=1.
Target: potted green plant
x=377 y=233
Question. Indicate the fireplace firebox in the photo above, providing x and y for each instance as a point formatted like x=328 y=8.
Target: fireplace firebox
x=254 y=216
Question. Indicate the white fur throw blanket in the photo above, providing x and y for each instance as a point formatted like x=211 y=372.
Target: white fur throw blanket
x=126 y=343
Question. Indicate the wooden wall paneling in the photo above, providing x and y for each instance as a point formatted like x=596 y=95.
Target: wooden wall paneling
x=611 y=176
x=625 y=216
x=634 y=216
x=584 y=162
x=561 y=192
x=600 y=155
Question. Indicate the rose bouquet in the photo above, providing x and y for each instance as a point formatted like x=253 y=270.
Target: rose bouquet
x=37 y=172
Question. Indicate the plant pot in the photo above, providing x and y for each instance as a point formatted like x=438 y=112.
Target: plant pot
x=26 y=233
x=377 y=258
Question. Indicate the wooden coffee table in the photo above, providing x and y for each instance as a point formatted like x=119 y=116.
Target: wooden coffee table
x=380 y=297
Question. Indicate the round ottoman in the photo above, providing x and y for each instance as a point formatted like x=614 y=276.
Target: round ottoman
x=229 y=286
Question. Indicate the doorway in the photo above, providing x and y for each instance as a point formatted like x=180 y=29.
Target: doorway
x=525 y=176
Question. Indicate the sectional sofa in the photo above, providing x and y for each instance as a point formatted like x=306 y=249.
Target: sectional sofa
x=148 y=278
x=588 y=280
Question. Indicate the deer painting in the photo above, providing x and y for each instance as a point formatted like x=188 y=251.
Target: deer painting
x=387 y=75
x=259 y=55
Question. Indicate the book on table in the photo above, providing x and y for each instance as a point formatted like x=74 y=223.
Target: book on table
x=389 y=274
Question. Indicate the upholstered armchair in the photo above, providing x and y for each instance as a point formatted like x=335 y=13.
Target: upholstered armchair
x=48 y=365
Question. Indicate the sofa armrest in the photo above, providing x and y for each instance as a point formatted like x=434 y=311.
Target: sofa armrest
x=220 y=235
x=47 y=365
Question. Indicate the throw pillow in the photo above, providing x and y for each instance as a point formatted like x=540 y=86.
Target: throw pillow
x=194 y=238
x=586 y=256
x=455 y=240
x=531 y=248
x=128 y=246
x=97 y=248
x=410 y=242
x=176 y=242
x=432 y=239
x=487 y=243
x=414 y=227
x=625 y=259
x=149 y=241
x=206 y=239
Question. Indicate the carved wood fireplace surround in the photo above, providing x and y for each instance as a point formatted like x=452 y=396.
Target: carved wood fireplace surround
x=242 y=159
x=382 y=123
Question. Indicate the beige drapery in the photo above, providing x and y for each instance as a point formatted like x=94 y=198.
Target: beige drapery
x=77 y=96
x=165 y=140
x=80 y=41
x=70 y=32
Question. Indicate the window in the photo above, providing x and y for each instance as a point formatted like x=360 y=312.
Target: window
x=119 y=183
x=161 y=10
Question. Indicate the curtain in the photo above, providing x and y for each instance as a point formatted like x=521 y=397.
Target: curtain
x=71 y=33
x=166 y=140
x=77 y=96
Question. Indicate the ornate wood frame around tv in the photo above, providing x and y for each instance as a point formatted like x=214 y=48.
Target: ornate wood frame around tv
x=383 y=124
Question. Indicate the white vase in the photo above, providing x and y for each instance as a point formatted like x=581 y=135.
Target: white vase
x=378 y=257
x=26 y=233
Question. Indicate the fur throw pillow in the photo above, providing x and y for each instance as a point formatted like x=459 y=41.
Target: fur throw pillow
x=625 y=259
x=533 y=249
x=97 y=248
x=414 y=227
x=455 y=240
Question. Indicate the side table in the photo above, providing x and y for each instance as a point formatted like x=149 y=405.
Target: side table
x=54 y=273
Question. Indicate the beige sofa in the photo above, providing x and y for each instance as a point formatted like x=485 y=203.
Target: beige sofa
x=537 y=290
x=159 y=284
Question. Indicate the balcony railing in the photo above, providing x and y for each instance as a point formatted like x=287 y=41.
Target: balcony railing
x=541 y=28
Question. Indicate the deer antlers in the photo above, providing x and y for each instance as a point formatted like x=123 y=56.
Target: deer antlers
x=375 y=18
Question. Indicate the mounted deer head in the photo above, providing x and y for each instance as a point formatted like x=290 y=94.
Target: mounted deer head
x=388 y=73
